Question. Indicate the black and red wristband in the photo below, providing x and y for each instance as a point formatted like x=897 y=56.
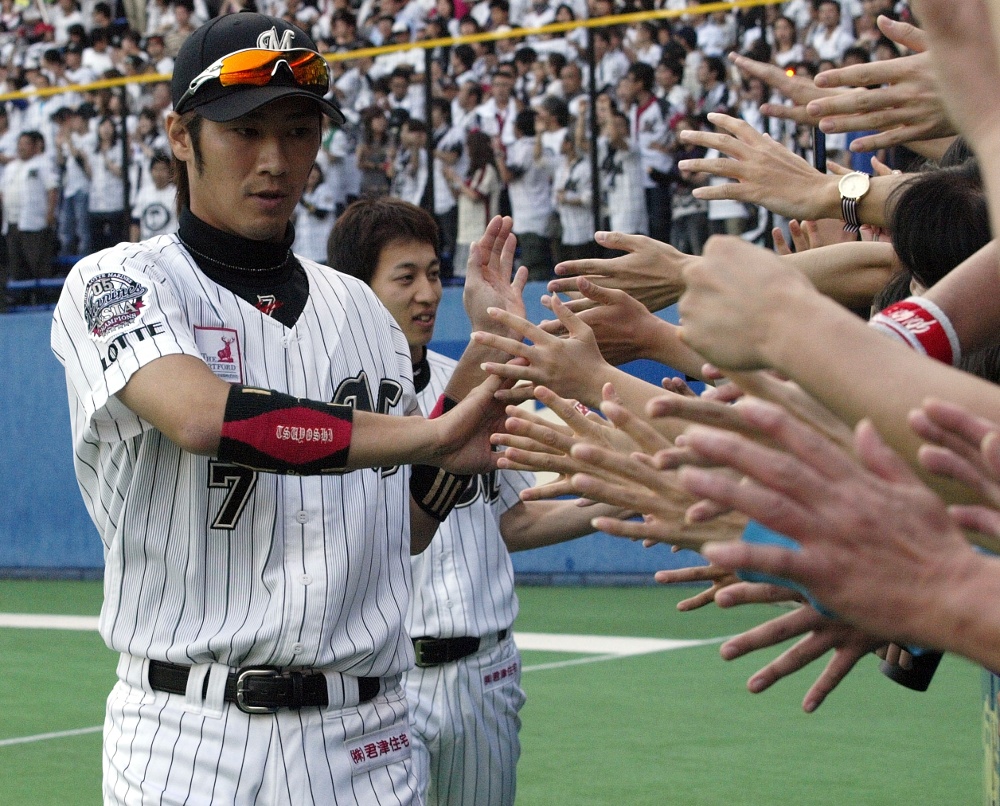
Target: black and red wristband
x=274 y=432
x=437 y=491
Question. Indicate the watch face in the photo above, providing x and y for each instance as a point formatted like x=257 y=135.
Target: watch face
x=854 y=185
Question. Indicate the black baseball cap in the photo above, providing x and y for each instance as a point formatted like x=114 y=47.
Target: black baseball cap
x=227 y=34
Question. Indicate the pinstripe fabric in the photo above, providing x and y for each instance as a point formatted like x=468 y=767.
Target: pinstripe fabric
x=212 y=563
x=464 y=732
x=157 y=751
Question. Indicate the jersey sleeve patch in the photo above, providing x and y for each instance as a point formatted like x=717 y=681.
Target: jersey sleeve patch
x=112 y=303
x=220 y=349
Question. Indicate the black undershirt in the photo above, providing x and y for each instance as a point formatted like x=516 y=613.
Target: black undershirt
x=264 y=273
x=421 y=373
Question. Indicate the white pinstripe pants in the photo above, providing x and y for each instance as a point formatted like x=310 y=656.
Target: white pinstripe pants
x=159 y=749
x=465 y=729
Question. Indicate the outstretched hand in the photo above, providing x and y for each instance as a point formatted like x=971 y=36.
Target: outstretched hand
x=904 y=106
x=819 y=635
x=572 y=367
x=490 y=280
x=649 y=271
x=765 y=172
x=624 y=328
x=818 y=494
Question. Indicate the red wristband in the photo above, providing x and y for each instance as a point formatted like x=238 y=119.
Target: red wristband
x=923 y=326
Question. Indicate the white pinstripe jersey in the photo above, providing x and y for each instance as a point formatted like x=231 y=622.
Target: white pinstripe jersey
x=212 y=562
x=463 y=583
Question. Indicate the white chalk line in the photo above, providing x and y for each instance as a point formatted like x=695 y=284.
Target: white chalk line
x=606 y=647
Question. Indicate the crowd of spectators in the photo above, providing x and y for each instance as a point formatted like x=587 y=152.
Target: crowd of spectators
x=77 y=182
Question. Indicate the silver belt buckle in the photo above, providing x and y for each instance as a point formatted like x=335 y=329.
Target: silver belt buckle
x=241 y=690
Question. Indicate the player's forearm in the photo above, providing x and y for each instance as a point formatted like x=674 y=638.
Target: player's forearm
x=856 y=372
x=380 y=440
x=850 y=273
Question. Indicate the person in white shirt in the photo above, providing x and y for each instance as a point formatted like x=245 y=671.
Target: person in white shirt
x=61 y=16
x=157 y=52
x=154 y=210
x=573 y=197
x=447 y=146
x=410 y=171
x=314 y=218
x=651 y=134
x=528 y=173
x=72 y=142
x=669 y=89
x=621 y=172
x=829 y=39
x=716 y=34
x=30 y=197
x=478 y=192
x=97 y=58
x=611 y=63
x=405 y=95
x=641 y=45
x=497 y=113
x=106 y=202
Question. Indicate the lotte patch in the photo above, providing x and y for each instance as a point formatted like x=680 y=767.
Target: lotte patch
x=220 y=349
x=112 y=302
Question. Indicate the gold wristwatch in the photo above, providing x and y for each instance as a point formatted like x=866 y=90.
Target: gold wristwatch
x=853 y=187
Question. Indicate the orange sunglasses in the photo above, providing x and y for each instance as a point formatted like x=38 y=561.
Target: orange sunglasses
x=256 y=67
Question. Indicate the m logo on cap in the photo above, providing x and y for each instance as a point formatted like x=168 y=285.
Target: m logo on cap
x=268 y=40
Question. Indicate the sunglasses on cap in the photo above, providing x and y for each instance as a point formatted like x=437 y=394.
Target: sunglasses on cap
x=255 y=67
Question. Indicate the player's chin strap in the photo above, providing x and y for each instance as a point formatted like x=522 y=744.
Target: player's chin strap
x=274 y=432
x=437 y=491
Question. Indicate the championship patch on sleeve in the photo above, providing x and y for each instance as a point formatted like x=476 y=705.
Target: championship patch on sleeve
x=380 y=749
x=112 y=302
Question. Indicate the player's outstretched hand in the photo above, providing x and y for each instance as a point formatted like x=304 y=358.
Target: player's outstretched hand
x=817 y=493
x=464 y=434
x=819 y=635
x=649 y=271
x=765 y=172
x=490 y=280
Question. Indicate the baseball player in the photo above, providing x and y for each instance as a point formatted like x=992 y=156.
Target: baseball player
x=228 y=404
x=465 y=691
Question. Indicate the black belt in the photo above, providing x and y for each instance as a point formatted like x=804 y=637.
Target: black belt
x=435 y=651
x=261 y=689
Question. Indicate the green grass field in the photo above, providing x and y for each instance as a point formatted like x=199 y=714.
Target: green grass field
x=669 y=727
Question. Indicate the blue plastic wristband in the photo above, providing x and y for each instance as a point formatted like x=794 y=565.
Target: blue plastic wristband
x=756 y=533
